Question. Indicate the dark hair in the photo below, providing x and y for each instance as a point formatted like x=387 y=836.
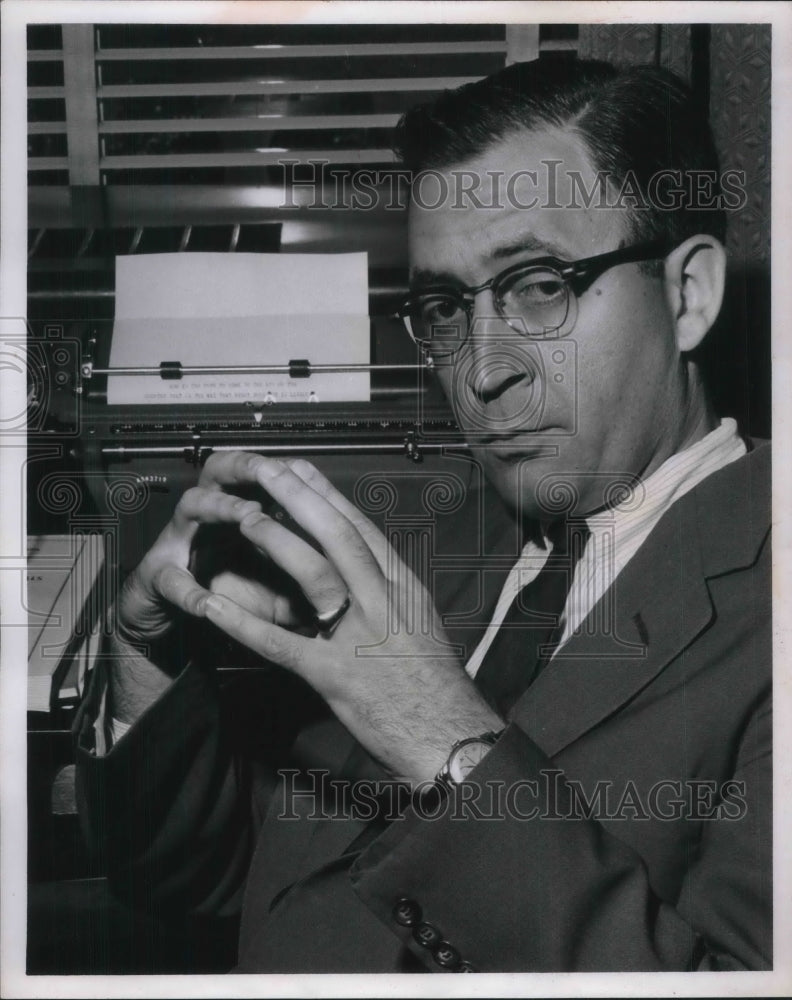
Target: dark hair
x=636 y=121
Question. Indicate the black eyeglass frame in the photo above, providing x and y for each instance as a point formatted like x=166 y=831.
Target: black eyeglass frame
x=578 y=276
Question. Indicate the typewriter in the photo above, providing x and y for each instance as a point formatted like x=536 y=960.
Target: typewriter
x=125 y=466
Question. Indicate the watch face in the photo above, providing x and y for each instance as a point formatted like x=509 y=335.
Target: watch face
x=465 y=758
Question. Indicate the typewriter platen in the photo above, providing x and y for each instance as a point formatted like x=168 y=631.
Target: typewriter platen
x=406 y=413
x=136 y=460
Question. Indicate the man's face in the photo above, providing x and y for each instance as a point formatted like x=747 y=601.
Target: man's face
x=603 y=398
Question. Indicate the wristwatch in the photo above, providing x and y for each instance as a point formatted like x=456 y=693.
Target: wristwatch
x=464 y=756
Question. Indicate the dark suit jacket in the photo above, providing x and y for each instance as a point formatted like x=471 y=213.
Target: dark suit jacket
x=635 y=780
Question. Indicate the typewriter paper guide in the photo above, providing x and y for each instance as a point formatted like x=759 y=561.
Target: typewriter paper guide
x=240 y=309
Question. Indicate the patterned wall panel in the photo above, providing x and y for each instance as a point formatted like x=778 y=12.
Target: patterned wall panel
x=659 y=44
x=740 y=114
x=619 y=43
x=675 y=49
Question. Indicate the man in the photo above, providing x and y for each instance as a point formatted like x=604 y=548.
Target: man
x=598 y=793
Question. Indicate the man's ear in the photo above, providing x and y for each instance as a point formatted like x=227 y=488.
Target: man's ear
x=695 y=273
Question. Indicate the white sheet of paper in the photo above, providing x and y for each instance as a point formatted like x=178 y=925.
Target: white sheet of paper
x=240 y=309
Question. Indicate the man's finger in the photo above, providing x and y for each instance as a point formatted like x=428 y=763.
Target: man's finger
x=230 y=468
x=200 y=505
x=318 y=579
x=373 y=537
x=337 y=535
x=255 y=597
x=273 y=643
x=180 y=588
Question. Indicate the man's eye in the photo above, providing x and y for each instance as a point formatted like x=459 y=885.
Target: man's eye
x=537 y=290
x=440 y=310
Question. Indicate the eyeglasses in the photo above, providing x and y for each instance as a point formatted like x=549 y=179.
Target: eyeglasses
x=532 y=297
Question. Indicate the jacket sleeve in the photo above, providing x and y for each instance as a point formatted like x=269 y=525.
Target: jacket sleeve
x=167 y=809
x=548 y=894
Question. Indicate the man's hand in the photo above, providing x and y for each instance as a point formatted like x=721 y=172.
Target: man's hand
x=386 y=670
x=163 y=582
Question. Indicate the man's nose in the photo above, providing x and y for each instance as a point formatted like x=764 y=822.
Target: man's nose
x=498 y=355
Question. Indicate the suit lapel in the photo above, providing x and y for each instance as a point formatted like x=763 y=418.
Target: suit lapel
x=655 y=609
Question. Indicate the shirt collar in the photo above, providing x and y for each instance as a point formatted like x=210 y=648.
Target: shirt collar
x=675 y=477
